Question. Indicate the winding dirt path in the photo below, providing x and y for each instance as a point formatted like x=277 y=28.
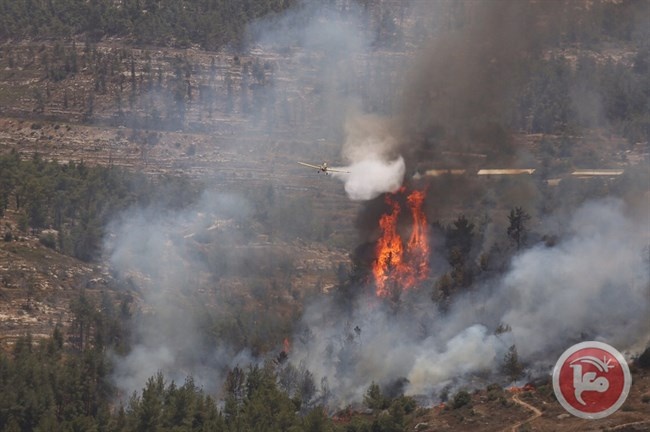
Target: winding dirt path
x=624 y=425
x=536 y=413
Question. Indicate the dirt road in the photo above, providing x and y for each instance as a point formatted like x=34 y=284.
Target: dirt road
x=536 y=413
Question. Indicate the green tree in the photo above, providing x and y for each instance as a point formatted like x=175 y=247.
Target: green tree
x=517 y=230
x=373 y=398
x=460 y=236
x=511 y=366
x=150 y=407
x=461 y=399
x=316 y=421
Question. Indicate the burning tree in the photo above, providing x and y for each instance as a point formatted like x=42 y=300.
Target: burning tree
x=401 y=265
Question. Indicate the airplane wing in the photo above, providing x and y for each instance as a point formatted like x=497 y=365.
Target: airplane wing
x=310 y=165
x=337 y=170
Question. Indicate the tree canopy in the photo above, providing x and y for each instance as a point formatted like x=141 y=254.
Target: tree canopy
x=210 y=24
x=78 y=200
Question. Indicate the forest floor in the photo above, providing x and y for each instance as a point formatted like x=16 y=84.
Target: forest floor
x=536 y=410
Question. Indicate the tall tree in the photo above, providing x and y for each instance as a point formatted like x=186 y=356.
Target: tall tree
x=518 y=231
x=511 y=366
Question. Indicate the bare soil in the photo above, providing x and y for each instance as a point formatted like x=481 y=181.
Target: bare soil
x=537 y=410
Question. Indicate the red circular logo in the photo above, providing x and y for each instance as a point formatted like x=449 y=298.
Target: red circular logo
x=591 y=380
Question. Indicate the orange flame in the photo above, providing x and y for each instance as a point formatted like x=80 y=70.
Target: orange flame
x=286 y=345
x=397 y=266
x=526 y=388
x=418 y=245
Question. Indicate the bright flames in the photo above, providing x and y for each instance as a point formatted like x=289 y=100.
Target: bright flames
x=398 y=265
x=527 y=388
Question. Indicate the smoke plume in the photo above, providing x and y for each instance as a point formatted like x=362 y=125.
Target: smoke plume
x=592 y=285
x=156 y=251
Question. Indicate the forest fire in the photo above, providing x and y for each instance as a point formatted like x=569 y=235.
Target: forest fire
x=527 y=388
x=398 y=265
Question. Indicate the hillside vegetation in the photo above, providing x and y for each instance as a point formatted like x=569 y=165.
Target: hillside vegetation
x=180 y=23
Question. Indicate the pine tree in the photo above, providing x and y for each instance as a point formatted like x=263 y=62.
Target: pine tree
x=511 y=366
x=518 y=231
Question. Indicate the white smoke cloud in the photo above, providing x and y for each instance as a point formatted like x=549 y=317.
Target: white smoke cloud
x=375 y=167
x=322 y=48
x=369 y=178
x=593 y=285
x=152 y=248
x=473 y=349
x=316 y=26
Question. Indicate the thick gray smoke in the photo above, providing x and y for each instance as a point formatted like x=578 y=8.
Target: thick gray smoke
x=157 y=252
x=460 y=92
x=593 y=285
x=472 y=85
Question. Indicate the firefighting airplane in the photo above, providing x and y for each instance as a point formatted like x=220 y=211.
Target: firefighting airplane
x=323 y=167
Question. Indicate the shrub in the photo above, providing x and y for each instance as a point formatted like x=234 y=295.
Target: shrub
x=461 y=399
x=48 y=240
